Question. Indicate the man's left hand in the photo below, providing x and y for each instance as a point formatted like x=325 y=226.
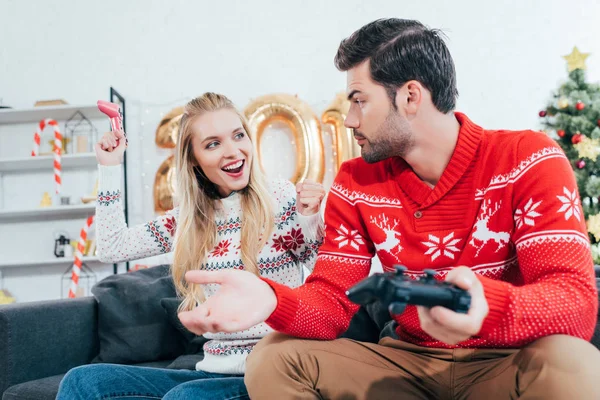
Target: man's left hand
x=451 y=327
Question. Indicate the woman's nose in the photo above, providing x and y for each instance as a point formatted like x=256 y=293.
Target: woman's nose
x=231 y=149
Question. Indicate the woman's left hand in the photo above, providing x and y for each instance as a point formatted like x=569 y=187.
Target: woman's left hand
x=309 y=195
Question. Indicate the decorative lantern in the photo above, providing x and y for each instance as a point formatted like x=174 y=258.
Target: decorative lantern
x=82 y=134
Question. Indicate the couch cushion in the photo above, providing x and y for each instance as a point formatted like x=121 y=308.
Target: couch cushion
x=170 y=306
x=368 y=322
x=132 y=325
x=47 y=388
x=193 y=352
x=40 y=389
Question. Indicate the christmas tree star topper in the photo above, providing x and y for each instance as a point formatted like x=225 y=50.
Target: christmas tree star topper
x=576 y=60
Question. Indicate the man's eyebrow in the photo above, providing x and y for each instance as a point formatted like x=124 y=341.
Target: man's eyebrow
x=352 y=93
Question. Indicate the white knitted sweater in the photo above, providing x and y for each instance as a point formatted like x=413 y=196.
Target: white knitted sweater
x=293 y=243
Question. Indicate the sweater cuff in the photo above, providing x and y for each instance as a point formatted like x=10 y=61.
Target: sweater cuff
x=109 y=178
x=496 y=294
x=312 y=225
x=287 y=305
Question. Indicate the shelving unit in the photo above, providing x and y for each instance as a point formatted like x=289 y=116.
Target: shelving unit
x=36 y=114
x=69 y=161
x=81 y=211
x=19 y=218
x=44 y=263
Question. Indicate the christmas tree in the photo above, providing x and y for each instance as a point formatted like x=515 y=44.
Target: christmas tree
x=572 y=117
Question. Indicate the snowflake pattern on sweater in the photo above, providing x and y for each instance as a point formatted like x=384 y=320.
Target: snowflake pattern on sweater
x=506 y=206
x=294 y=243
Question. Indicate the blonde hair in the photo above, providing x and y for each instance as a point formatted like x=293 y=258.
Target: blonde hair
x=197 y=197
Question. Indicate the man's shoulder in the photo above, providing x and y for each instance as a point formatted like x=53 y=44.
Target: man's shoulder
x=504 y=149
x=519 y=158
x=518 y=142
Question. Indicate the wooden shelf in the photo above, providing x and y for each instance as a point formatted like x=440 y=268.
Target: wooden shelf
x=49 y=213
x=36 y=114
x=29 y=163
x=48 y=262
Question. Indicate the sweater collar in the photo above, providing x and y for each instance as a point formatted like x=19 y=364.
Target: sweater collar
x=469 y=137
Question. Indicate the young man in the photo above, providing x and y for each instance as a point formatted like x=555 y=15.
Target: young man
x=494 y=212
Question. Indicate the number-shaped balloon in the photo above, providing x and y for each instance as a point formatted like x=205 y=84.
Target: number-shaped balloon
x=296 y=114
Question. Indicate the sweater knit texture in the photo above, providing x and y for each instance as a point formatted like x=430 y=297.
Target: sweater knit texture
x=293 y=243
x=506 y=206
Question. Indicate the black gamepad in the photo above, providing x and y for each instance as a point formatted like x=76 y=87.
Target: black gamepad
x=396 y=290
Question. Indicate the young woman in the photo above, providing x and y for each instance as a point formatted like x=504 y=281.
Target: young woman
x=227 y=217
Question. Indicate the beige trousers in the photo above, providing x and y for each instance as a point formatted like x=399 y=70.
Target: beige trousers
x=554 y=367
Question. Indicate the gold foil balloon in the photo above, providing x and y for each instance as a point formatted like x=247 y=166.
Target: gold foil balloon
x=164 y=186
x=303 y=123
x=168 y=128
x=343 y=143
x=164 y=181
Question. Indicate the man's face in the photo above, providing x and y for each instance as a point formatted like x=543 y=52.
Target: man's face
x=380 y=130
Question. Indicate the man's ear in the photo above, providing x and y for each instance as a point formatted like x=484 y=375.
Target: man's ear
x=409 y=97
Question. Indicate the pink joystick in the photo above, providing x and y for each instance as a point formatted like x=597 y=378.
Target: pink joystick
x=113 y=111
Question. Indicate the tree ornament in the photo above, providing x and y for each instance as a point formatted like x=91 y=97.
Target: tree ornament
x=580 y=164
x=593 y=225
x=542 y=113
x=588 y=148
x=562 y=103
x=576 y=138
x=580 y=105
x=560 y=133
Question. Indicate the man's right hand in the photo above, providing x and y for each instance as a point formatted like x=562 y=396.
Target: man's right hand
x=110 y=148
x=242 y=301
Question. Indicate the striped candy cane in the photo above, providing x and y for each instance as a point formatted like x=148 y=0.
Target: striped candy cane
x=57 y=148
x=79 y=256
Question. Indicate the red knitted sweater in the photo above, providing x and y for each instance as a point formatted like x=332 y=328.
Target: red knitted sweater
x=506 y=206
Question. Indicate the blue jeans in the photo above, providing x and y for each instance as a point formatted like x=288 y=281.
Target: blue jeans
x=112 y=381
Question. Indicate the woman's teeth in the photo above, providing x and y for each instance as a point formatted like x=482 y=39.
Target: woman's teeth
x=234 y=167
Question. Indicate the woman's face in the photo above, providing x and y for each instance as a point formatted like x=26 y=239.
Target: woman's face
x=223 y=150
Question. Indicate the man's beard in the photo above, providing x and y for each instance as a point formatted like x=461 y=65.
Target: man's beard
x=393 y=138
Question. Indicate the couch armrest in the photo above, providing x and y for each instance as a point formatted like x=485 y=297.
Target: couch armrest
x=41 y=339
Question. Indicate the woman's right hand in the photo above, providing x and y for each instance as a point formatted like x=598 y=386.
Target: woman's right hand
x=110 y=148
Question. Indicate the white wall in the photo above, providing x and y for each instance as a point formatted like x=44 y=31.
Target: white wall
x=158 y=54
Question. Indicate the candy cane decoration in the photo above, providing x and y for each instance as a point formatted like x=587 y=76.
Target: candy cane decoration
x=79 y=256
x=57 y=148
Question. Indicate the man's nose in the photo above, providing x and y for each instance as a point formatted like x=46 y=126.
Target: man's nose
x=351 y=121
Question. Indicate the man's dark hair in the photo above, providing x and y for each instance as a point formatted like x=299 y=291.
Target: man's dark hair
x=401 y=50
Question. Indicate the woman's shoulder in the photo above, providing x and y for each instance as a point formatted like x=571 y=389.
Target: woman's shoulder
x=174 y=212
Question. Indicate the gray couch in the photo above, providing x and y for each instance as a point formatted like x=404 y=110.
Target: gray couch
x=41 y=341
